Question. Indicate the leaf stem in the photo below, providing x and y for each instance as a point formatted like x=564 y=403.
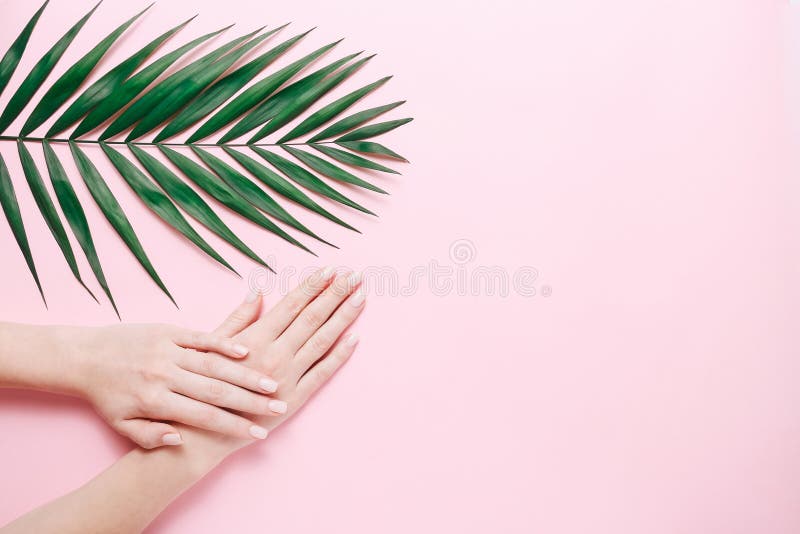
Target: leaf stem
x=143 y=143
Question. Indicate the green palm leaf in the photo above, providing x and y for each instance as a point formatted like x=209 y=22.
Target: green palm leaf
x=154 y=97
x=331 y=110
x=159 y=203
x=306 y=179
x=39 y=73
x=352 y=121
x=329 y=169
x=248 y=190
x=69 y=82
x=221 y=89
x=351 y=159
x=105 y=87
x=369 y=147
x=282 y=186
x=73 y=212
x=254 y=95
x=113 y=212
x=8 y=200
x=135 y=85
x=218 y=93
x=294 y=107
x=11 y=59
x=192 y=203
x=373 y=130
x=270 y=107
x=48 y=211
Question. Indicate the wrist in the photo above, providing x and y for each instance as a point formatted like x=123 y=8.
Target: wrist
x=76 y=360
x=45 y=358
x=207 y=449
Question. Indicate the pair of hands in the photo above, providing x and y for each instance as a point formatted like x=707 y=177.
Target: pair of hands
x=139 y=376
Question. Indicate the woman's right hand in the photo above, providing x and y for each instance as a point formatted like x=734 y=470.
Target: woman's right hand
x=301 y=342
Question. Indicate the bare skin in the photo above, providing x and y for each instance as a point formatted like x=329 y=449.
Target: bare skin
x=138 y=375
x=300 y=343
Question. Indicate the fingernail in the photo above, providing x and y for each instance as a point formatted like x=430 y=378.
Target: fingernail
x=326 y=273
x=171 y=439
x=354 y=279
x=278 y=406
x=240 y=349
x=258 y=432
x=251 y=296
x=351 y=340
x=268 y=385
x=358 y=298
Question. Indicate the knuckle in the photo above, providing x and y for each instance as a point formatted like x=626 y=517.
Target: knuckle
x=320 y=375
x=269 y=367
x=208 y=418
x=295 y=306
x=341 y=356
x=238 y=317
x=196 y=339
x=208 y=365
x=311 y=319
x=217 y=390
x=148 y=399
x=156 y=371
x=320 y=342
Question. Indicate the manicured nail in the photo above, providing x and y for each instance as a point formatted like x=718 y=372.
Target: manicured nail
x=251 y=296
x=240 y=349
x=357 y=299
x=354 y=279
x=351 y=340
x=278 y=406
x=268 y=385
x=258 y=432
x=326 y=273
x=171 y=439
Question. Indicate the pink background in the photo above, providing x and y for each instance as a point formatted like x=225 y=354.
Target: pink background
x=637 y=154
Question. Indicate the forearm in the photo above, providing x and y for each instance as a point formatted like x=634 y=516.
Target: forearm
x=130 y=494
x=46 y=358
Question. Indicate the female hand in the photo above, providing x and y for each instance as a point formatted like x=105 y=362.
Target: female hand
x=300 y=343
x=136 y=376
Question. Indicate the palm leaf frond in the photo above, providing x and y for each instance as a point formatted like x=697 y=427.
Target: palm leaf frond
x=224 y=93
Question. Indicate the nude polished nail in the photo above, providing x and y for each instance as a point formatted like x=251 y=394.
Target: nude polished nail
x=358 y=298
x=355 y=279
x=258 y=432
x=241 y=350
x=171 y=439
x=268 y=385
x=326 y=273
x=351 y=340
x=278 y=406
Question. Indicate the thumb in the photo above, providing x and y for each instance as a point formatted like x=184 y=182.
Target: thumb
x=149 y=434
x=243 y=316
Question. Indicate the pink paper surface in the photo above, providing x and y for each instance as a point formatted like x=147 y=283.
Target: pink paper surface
x=629 y=163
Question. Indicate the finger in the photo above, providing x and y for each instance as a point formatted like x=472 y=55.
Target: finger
x=325 y=368
x=189 y=339
x=243 y=316
x=290 y=306
x=317 y=312
x=191 y=412
x=322 y=340
x=225 y=395
x=214 y=366
x=148 y=434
